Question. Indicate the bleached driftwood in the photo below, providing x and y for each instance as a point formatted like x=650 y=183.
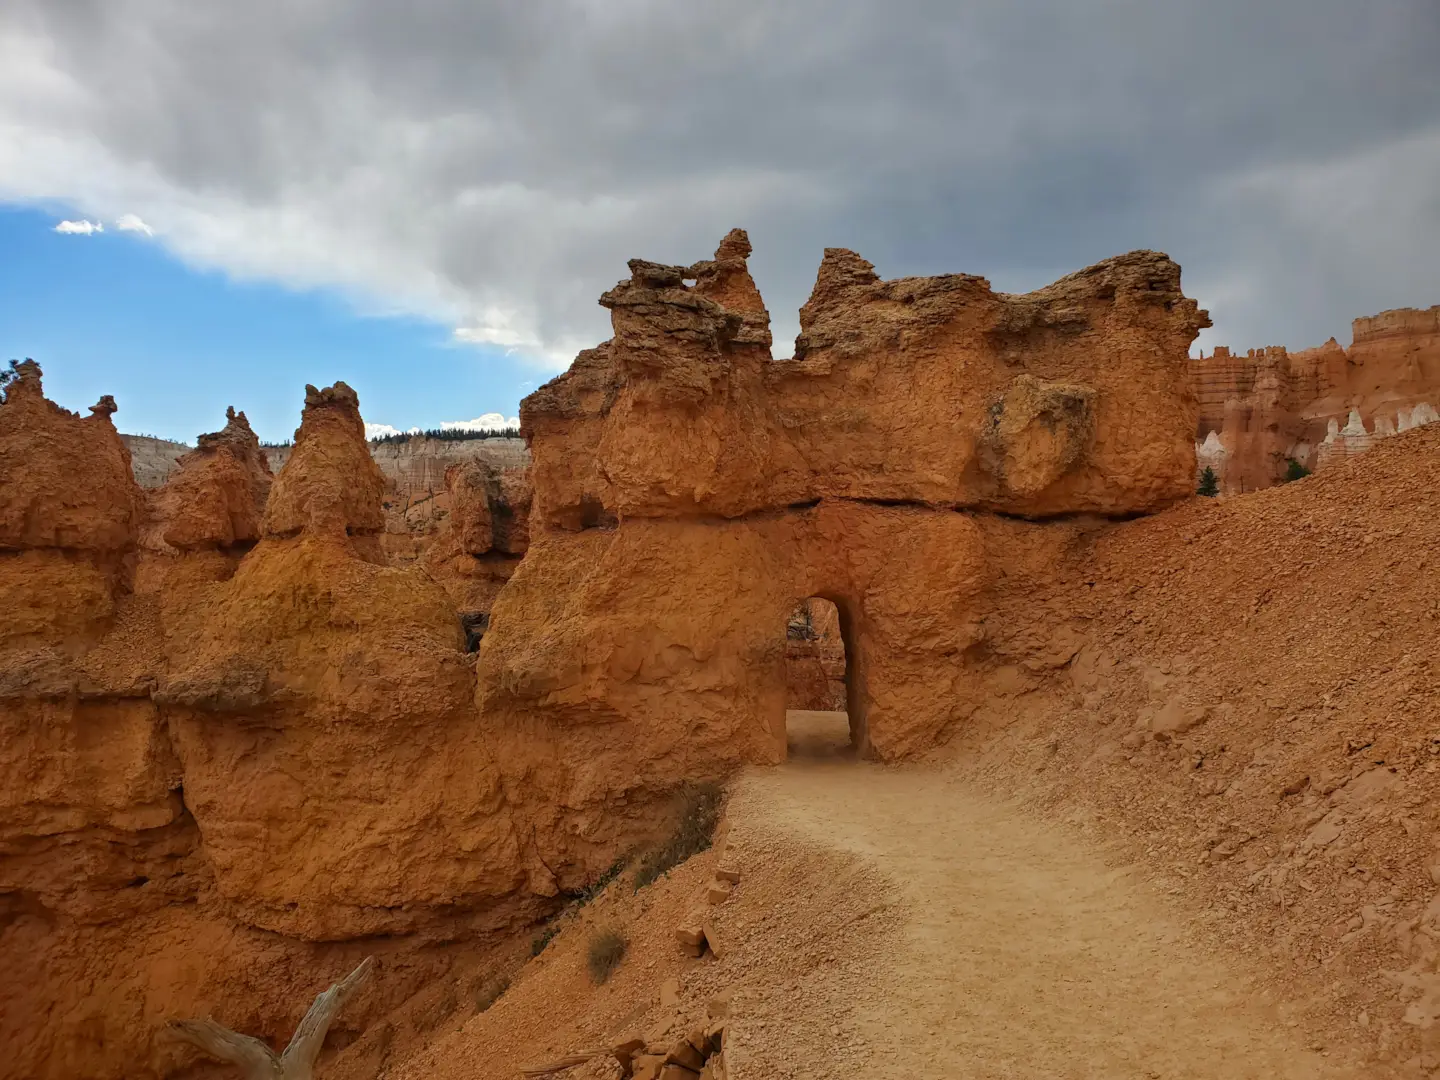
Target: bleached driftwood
x=256 y=1060
x=569 y=1061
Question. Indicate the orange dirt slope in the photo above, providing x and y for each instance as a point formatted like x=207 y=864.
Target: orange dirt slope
x=1255 y=709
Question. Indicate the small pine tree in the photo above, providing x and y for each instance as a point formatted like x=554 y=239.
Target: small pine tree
x=1209 y=483
x=1294 y=470
x=8 y=375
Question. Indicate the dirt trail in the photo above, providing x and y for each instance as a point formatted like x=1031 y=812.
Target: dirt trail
x=1024 y=953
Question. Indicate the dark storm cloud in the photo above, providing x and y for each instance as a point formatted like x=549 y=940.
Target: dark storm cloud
x=495 y=164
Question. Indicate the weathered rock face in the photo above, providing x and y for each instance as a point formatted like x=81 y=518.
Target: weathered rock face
x=683 y=412
x=689 y=490
x=1318 y=406
x=483 y=534
x=330 y=480
x=69 y=518
x=310 y=659
x=815 y=657
x=153 y=460
x=230 y=744
x=216 y=497
x=416 y=467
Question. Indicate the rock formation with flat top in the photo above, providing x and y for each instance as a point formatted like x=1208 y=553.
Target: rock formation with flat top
x=1318 y=406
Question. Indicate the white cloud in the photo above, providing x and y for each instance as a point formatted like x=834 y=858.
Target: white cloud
x=1367 y=222
x=80 y=228
x=490 y=421
x=490 y=335
x=490 y=167
x=133 y=223
x=380 y=431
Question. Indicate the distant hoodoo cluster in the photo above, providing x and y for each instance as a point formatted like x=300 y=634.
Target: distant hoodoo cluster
x=1263 y=411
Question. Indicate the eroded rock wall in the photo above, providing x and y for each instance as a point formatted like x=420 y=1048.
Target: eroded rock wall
x=69 y=518
x=481 y=535
x=245 y=740
x=1318 y=406
x=934 y=391
x=689 y=490
x=236 y=751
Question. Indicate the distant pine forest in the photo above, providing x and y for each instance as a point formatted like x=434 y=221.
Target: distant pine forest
x=444 y=434
x=449 y=434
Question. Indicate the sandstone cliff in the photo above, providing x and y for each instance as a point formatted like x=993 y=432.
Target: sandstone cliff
x=414 y=468
x=233 y=743
x=815 y=657
x=152 y=459
x=689 y=490
x=246 y=738
x=683 y=412
x=1318 y=406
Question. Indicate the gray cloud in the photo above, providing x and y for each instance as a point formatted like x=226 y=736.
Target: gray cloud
x=494 y=165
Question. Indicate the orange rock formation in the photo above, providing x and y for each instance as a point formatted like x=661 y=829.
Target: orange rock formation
x=234 y=730
x=689 y=490
x=69 y=517
x=1318 y=406
x=233 y=741
x=815 y=657
x=1018 y=414
x=484 y=533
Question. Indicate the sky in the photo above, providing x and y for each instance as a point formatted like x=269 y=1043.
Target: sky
x=427 y=199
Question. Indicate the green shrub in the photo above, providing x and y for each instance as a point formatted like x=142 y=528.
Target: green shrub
x=8 y=375
x=548 y=935
x=584 y=895
x=607 y=949
x=1294 y=470
x=694 y=830
x=1209 y=483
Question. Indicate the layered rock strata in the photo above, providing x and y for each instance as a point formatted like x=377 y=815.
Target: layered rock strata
x=243 y=744
x=234 y=744
x=1319 y=406
x=683 y=413
x=689 y=490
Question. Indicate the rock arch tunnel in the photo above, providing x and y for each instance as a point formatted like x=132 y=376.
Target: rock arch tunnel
x=733 y=483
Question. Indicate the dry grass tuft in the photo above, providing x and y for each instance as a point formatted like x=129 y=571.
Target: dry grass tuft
x=607 y=949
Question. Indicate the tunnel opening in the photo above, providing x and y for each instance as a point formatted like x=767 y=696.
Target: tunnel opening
x=821 y=714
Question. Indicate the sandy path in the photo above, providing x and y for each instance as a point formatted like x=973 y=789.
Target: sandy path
x=1024 y=954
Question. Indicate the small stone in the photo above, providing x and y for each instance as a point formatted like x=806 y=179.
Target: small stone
x=711 y=939
x=682 y=1052
x=626 y=1050
x=670 y=993
x=718 y=1008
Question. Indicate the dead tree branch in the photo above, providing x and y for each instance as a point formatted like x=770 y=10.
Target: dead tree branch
x=258 y=1061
